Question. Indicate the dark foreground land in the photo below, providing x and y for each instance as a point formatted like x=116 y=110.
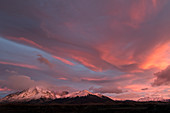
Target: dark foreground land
x=129 y=107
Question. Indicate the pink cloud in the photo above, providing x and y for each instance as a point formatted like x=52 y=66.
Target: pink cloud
x=5 y=89
x=159 y=57
x=93 y=79
x=20 y=65
x=62 y=78
x=22 y=39
x=87 y=63
x=64 y=60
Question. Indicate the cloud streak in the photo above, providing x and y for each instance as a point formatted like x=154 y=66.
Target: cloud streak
x=64 y=60
x=20 y=65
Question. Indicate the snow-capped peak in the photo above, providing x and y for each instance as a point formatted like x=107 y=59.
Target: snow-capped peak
x=35 y=93
x=30 y=94
x=78 y=94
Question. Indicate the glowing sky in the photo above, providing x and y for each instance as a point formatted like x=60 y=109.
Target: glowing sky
x=120 y=48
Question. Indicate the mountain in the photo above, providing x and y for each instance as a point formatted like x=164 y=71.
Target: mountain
x=42 y=95
x=29 y=94
x=88 y=99
x=82 y=97
x=81 y=94
x=145 y=99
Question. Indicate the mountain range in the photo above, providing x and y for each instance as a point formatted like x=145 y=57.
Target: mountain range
x=42 y=95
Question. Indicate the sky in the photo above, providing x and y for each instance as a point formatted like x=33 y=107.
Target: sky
x=119 y=48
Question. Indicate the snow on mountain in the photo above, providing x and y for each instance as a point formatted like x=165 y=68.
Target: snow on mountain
x=76 y=94
x=80 y=94
x=145 y=99
x=37 y=93
x=30 y=94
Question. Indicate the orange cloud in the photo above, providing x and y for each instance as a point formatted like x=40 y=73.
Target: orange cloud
x=159 y=57
x=109 y=53
x=62 y=78
x=94 y=79
x=20 y=65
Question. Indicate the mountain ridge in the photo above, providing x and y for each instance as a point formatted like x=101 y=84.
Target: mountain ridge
x=40 y=95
